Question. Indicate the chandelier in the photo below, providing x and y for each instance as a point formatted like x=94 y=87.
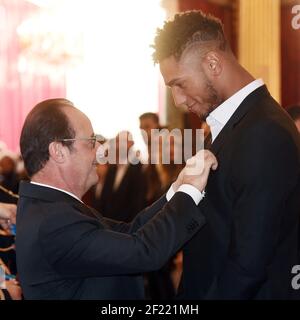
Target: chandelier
x=49 y=43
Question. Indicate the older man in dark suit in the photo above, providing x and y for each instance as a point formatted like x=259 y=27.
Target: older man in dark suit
x=250 y=243
x=66 y=250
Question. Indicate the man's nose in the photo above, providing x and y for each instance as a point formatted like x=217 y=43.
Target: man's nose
x=178 y=96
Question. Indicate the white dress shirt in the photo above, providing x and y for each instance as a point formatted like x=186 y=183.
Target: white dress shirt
x=218 y=118
x=192 y=191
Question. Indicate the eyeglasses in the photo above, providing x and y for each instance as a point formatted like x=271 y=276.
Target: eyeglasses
x=94 y=139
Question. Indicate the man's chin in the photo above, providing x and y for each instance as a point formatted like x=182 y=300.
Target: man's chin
x=197 y=113
x=201 y=115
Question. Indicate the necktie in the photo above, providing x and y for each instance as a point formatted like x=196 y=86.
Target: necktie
x=208 y=141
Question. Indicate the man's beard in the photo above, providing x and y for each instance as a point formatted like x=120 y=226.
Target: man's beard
x=213 y=99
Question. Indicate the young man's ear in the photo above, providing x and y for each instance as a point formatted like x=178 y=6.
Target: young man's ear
x=57 y=151
x=213 y=63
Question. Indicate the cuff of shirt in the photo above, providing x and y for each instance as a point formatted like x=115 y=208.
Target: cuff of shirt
x=170 y=193
x=192 y=191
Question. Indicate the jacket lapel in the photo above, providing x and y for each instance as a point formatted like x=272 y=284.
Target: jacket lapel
x=248 y=103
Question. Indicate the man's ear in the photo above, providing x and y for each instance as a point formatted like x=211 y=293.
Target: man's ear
x=57 y=151
x=213 y=63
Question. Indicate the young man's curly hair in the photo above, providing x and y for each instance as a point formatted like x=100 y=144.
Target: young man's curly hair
x=186 y=29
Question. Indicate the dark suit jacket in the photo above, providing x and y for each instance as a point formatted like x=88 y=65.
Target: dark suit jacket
x=128 y=199
x=250 y=242
x=66 y=250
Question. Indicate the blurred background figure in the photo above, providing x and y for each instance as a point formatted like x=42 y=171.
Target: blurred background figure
x=123 y=191
x=8 y=179
x=9 y=286
x=294 y=112
x=9 y=185
x=150 y=121
x=11 y=168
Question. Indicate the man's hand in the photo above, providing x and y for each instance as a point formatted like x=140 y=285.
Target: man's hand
x=7 y=214
x=14 y=289
x=197 y=170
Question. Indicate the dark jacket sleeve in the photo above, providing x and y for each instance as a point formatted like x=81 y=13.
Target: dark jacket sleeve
x=143 y=217
x=77 y=245
x=265 y=173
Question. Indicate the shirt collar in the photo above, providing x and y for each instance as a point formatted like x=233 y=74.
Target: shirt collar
x=48 y=186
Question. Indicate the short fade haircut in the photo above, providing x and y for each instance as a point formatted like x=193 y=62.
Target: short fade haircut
x=294 y=112
x=46 y=122
x=186 y=29
x=150 y=115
